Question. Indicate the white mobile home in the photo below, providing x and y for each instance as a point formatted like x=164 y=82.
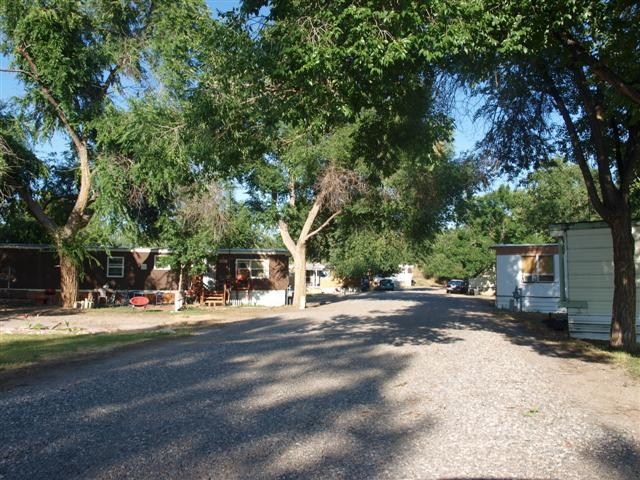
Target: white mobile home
x=528 y=277
x=587 y=290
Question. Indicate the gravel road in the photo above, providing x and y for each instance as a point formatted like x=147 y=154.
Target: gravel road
x=383 y=385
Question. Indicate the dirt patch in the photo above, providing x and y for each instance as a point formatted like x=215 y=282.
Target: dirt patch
x=587 y=371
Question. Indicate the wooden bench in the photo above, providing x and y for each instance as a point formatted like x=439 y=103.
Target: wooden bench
x=214 y=299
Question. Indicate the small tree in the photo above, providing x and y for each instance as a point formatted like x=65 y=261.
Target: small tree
x=194 y=228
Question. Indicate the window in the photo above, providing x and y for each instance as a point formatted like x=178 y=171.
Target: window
x=252 y=268
x=115 y=267
x=537 y=268
x=162 y=262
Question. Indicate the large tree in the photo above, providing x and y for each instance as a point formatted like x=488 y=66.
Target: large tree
x=336 y=90
x=78 y=63
x=303 y=180
x=564 y=77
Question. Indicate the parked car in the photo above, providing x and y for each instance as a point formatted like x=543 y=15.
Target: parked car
x=456 y=285
x=385 y=284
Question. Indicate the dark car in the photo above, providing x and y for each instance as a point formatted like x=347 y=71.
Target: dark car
x=457 y=286
x=385 y=284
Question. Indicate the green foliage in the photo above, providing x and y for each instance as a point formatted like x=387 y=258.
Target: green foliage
x=79 y=63
x=557 y=195
x=246 y=228
x=369 y=252
x=502 y=216
x=336 y=59
x=459 y=253
x=16 y=226
x=553 y=194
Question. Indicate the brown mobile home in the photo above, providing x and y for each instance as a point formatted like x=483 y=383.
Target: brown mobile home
x=254 y=277
x=33 y=272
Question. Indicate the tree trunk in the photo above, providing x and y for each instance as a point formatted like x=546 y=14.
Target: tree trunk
x=300 y=277
x=68 y=280
x=623 y=315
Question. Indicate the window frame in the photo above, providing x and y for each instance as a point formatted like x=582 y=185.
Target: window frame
x=115 y=271
x=264 y=267
x=538 y=273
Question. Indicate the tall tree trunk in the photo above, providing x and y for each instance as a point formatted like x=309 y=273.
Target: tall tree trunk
x=300 y=277
x=298 y=248
x=298 y=251
x=68 y=280
x=623 y=315
x=612 y=204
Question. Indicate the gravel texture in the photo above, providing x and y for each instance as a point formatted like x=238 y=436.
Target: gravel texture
x=383 y=385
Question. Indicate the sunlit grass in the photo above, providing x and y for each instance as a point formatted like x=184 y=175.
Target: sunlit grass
x=21 y=350
x=630 y=361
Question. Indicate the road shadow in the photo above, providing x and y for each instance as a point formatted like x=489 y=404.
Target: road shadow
x=247 y=400
x=544 y=333
x=276 y=397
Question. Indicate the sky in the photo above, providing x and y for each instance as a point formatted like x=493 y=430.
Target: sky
x=466 y=134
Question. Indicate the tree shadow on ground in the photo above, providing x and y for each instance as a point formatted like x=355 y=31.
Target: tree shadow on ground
x=546 y=334
x=436 y=318
x=277 y=397
x=249 y=400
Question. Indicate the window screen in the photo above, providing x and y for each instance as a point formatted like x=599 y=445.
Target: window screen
x=115 y=267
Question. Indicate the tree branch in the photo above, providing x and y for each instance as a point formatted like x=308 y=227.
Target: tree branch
x=596 y=117
x=75 y=138
x=16 y=70
x=286 y=237
x=600 y=70
x=575 y=142
x=319 y=229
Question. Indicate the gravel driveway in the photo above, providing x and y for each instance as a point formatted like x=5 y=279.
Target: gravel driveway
x=388 y=385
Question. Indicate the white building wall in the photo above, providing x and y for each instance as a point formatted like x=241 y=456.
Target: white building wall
x=262 y=298
x=589 y=271
x=535 y=296
x=404 y=278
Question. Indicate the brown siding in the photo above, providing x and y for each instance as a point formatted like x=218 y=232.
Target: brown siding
x=139 y=273
x=35 y=268
x=278 y=270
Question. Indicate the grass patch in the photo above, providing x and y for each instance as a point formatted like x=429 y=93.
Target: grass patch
x=17 y=351
x=629 y=361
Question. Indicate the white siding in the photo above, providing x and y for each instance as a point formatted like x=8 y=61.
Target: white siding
x=263 y=298
x=589 y=272
x=536 y=296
